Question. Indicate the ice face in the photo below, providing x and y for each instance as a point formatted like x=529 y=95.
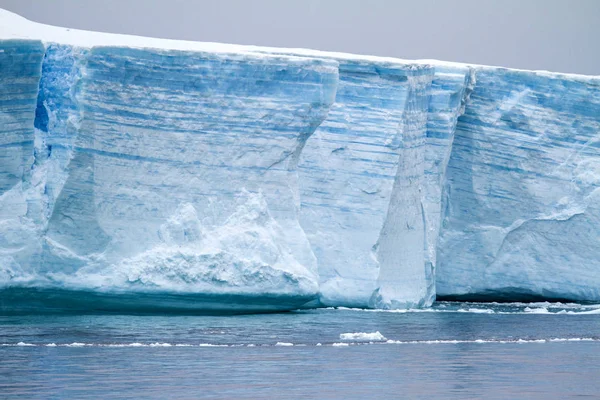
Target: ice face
x=20 y=63
x=156 y=130
x=168 y=171
x=209 y=176
x=521 y=214
x=351 y=175
x=450 y=91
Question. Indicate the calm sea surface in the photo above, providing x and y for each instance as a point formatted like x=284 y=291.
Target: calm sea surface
x=452 y=351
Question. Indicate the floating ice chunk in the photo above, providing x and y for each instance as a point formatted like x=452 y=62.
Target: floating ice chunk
x=363 y=336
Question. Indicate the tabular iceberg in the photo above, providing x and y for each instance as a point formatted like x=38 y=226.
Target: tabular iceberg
x=147 y=174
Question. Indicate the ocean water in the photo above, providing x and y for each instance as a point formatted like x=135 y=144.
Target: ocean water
x=451 y=351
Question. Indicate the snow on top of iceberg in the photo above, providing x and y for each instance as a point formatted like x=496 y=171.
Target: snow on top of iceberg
x=548 y=74
x=13 y=26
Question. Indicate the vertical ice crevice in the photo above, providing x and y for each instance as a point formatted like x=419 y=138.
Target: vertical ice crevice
x=58 y=117
x=450 y=91
x=402 y=280
x=69 y=176
x=347 y=174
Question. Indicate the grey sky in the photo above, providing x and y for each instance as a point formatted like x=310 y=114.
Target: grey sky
x=557 y=35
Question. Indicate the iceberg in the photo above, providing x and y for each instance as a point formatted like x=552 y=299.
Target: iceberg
x=144 y=174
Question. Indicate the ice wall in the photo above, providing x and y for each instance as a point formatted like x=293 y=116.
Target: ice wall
x=402 y=279
x=20 y=62
x=20 y=70
x=522 y=199
x=163 y=131
x=450 y=91
x=237 y=178
x=354 y=179
x=165 y=172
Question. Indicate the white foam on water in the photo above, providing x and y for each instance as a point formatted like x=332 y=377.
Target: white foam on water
x=288 y=344
x=541 y=310
x=363 y=336
x=545 y=308
x=542 y=304
x=594 y=311
x=493 y=341
x=477 y=311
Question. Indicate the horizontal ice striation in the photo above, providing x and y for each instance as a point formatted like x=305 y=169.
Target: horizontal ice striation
x=522 y=217
x=449 y=93
x=20 y=70
x=348 y=171
x=402 y=280
x=174 y=172
x=57 y=117
x=196 y=177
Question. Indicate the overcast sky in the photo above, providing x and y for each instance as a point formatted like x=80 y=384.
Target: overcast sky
x=556 y=35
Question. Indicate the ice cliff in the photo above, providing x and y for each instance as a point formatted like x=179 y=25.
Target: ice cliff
x=144 y=173
x=522 y=198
